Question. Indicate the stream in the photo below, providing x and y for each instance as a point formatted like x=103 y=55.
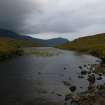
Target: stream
x=43 y=78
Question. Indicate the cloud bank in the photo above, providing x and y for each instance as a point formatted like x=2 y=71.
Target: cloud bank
x=53 y=16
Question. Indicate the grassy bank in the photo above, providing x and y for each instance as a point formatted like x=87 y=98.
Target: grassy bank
x=94 y=45
x=10 y=47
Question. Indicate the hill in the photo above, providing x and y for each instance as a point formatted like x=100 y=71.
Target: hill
x=94 y=45
x=8 y=48
x=54 y=42
x=47 y=43
x=11 y=44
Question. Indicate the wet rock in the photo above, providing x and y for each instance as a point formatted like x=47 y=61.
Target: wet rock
x=75 y=100
x=65 y=68
x=91 y=78
x=85 y=65
x=89 y=72
x=95 y=64
x=58 y=94
x=99 y=78
x=72 y=88
x=100 y=74
x=68 y=97
x=66 y=83
x=80 y=76
x=98 y=61
x=83 y=72
x=87 y=68
x=80 y=67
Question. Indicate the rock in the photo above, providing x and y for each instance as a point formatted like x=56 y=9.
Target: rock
x=72 y=88
x=68 y=97
x=91 y=78
x=98 y=61
x=89 y=72
x=83 y=72
x=65 y=68
x=85 y=65
x=99 y=78
x=58 y=94
x=80 y=67
x=80 y=76
x=66 y=83
x=75 y=100
x=100 y=74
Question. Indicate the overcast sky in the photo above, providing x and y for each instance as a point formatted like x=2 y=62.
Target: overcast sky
x=53 y=18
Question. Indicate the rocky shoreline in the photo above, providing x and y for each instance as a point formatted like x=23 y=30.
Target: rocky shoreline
x=96 y=93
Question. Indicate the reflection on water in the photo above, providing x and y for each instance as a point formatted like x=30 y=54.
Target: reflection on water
x=30 y=79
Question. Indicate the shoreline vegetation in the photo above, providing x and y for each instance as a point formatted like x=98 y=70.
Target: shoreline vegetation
x=94 y=45
x=10 y=48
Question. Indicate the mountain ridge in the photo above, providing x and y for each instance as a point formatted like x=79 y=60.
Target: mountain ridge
x=49 y=42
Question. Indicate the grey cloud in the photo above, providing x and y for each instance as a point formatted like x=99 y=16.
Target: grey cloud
x=58 y=16
x=13 y=13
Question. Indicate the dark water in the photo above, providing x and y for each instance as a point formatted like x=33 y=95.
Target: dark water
x=38 y=80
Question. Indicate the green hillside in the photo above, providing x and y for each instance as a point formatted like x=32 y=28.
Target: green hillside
x=94 y=45
x=11 y=47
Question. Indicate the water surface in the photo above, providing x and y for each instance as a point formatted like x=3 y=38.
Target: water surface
x=30 y=79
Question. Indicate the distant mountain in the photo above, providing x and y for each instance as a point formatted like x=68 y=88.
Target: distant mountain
x=49 y=43
x=11 y=34
x=55 y=42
